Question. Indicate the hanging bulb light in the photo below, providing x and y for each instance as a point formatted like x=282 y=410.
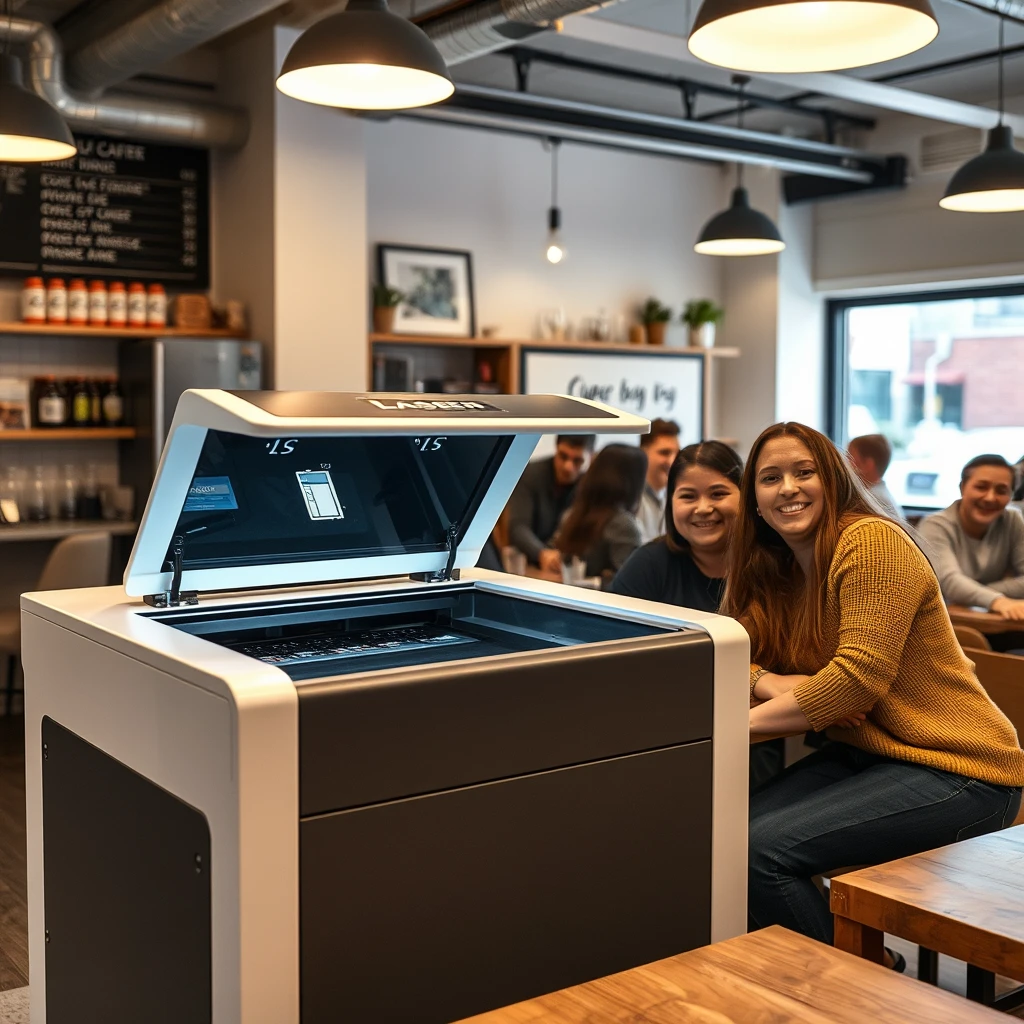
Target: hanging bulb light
x=365 y=58
x=993 y=182
x=30 y=129
x=809 y=35
x=554 y=249
x=740 y=230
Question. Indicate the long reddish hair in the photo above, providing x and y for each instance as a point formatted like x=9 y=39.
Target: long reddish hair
x=767 y=591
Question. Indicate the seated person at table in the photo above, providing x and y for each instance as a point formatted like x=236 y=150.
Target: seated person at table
x=848 y=632
x=1018 y=492
x=544 y=492
x=871 y=455
x=601 y=526
x=977 y=546
x=661 y=446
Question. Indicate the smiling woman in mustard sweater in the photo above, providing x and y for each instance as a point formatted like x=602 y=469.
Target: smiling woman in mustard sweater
x=849 y=633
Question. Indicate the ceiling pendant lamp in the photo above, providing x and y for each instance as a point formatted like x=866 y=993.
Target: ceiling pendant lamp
x=365 y=58
x=740 y=230
x=992 y=182
x=554 y=249
x=31 y=131
x=809 y=35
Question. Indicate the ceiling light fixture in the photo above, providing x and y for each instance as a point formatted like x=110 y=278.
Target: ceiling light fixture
x=740 y=230
x=365 y=58
x=554 y=249
x=809 y=35
x=993 y=181
x=31 y=131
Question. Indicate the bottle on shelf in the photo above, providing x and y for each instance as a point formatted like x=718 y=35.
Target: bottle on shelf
x=78 y=302
x=113 y=404
x=81 y=403
x=97 y=304
x=67 y=503
x=156 y=306
x=88 y=504
x=12 y=500
x=51 y=404
x=117 y=304
x=38 y=500
x=56 y=301
x=137 y=304
x=33 y=301
x=95 y=404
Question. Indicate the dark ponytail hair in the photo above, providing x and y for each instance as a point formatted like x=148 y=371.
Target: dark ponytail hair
x=713 y=455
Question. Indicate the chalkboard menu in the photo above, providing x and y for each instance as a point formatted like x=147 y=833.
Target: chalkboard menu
x=117 y=209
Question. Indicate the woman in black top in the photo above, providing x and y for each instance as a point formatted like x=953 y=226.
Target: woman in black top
x=686 y=565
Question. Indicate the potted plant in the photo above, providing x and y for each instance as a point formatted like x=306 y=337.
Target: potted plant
x=702 y=316
x=385 y=300
x=654 y=316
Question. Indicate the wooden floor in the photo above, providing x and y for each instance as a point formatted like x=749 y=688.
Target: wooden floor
x=13 y=899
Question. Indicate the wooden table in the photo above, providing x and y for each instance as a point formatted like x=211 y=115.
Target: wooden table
x=964 y=900
x=984 y=622
x=773 y=976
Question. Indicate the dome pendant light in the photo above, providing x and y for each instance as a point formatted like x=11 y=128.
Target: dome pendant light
x=31 y=131
x=992 y=182
x=554 y=250
x=809 y=35
x=740 y=230
x=365 y=58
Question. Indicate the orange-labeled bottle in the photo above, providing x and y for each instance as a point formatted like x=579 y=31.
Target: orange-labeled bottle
x=98 y=304
x=56 y=301
x=156 y=306
x=117 y=304
x=137 y=304
x=33 y=301
x=78 y=302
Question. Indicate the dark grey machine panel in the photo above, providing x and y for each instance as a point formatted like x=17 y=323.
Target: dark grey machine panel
x=395 y=734
x=127 y=893
x=431 y=909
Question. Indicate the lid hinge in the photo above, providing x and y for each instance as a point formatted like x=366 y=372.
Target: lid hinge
x=174 y=597
x=451 y=536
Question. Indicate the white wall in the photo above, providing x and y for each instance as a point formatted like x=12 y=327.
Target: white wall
x=629 y=221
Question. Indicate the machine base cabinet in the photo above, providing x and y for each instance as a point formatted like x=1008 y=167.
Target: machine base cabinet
x=433 y=908
x=127 y=893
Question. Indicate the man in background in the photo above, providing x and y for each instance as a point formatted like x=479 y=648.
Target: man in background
x=544 y=492
x=661 y=446
x=870 y=455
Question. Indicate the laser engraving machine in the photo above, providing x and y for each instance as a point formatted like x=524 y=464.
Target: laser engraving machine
x=309 y=764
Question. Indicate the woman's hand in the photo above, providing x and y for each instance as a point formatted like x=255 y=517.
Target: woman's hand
x=771 y=684
x=851 y=721
x=1008 y=608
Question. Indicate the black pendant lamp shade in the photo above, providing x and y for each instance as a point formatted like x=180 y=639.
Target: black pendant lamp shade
x=30 y=129
x=739 y=231
x=365 y=58
x=993 y=182
x=809 y=35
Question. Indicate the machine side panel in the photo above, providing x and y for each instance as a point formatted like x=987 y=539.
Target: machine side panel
x=418 y=731
x=431 y=909
x=127 y=881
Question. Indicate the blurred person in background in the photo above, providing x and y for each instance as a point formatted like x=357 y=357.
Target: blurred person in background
x=601 y=527
x=1018 y=493
x=661 y=446
x=870 y=455
x=544 y=492
x=977 y=546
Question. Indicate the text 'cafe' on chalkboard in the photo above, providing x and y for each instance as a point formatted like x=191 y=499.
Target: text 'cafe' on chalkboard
x=117 y=209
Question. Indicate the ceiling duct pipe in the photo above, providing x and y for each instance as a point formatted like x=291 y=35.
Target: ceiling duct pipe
x=175 y=122
x=490 y=25
x=169 y=29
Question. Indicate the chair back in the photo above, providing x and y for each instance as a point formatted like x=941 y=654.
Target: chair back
x=1002 y=675
x=968 y=636
x=81 y=560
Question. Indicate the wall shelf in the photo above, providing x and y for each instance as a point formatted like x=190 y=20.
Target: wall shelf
x=55 y=529
x=440 y=341
x=69 y=434
x=77 y=331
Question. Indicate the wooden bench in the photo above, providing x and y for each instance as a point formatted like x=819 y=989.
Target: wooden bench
x=773 y=976
x=965 y=900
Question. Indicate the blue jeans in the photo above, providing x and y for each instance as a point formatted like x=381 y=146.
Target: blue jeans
x=843 y=807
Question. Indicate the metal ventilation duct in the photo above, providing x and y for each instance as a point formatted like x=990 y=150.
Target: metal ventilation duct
x=167 y=30
x=489 y=25
x=141 y=117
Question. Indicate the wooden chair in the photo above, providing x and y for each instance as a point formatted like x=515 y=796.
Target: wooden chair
x=969 y=637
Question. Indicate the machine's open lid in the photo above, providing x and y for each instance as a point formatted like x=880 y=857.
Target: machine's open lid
x=279 y=488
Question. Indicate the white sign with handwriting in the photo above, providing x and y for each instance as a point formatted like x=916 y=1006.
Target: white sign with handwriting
x=668 y=386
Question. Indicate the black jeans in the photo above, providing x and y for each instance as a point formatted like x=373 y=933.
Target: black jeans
x=843 y=807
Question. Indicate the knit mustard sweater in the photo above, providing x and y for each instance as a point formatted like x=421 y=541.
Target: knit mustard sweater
x=897 y=658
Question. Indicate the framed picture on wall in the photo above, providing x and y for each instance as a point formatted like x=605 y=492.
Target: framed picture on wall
x=437 y=289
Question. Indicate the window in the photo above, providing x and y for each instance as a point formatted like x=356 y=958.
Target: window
x=940 y=374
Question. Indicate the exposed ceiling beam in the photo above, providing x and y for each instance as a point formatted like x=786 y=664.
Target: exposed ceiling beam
x=603 y=32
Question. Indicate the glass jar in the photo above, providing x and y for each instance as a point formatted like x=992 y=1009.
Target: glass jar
x=67 y=494
x=88 y=503
x=37 y=501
